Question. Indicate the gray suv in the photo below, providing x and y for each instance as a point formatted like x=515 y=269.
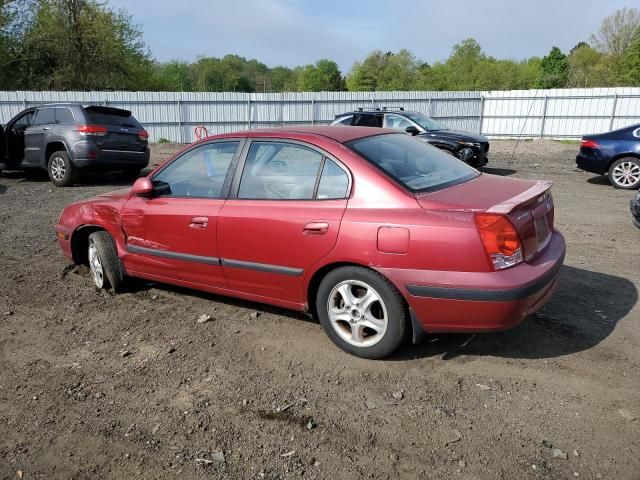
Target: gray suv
x=66 y=139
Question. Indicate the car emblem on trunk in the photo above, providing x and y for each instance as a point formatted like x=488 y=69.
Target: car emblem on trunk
x=125 y=130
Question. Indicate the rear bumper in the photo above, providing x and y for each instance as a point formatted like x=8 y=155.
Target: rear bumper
x=111 y=159
x=480 y=301
x=591 y=162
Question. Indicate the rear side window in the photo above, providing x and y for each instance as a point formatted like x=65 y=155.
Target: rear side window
x=45 y=116
x=334 y=182
x=279 y=171
x=368 y=121
x=111 y=116
x=64 y=116
x=417 y=165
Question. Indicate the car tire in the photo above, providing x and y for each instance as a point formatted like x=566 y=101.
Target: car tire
x=62 y=172
x=362 y=312
x=131 y=173
x=624 y=173
x=106 y=268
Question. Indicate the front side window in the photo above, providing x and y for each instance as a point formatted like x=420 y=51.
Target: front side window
x=24 y=121
x=417 y=165
x=428 y=123
x=200 y=172
x=343 y=121
x=398 y=123
x=45 y=116
x=279 y=171
x=64 y=116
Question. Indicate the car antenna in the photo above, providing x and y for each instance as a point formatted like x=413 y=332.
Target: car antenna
x=523 y=125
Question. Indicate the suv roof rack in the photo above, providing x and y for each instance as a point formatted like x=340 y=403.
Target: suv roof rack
x=380 y=109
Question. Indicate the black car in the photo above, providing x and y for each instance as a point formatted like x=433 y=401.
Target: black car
x=468 y=147
x=615 y=154
x=635 y=210
x=66 y=139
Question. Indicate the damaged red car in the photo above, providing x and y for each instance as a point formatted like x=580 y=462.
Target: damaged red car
x=381 y=237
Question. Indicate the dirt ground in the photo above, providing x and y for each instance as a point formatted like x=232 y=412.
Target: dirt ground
x=95 y=386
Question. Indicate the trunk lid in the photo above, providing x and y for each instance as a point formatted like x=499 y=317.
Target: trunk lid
x=123 y=131
x=528 y=205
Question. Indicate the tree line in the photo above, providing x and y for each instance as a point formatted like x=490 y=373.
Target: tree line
x=88 y=45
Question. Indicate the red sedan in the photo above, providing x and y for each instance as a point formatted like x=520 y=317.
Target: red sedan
x=380 y=236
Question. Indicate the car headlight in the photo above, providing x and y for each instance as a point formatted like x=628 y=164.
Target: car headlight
x=469 y=144
x=638 y=196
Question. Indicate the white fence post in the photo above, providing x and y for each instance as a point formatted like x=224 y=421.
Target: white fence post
x=544 y=115
x=613 y=111
x=481 y=115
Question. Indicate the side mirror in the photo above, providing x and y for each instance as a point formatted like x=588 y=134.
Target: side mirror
x=412 y=130
x=142 y=187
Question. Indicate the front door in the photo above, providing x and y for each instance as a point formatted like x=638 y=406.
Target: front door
x=172 y=235
x=282 y=217
x=35 y=138
x=14 y=138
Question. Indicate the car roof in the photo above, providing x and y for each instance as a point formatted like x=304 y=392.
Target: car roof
x=338 y=133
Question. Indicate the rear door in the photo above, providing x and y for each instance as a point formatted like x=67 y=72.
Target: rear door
x=123 y=132
x=283 y=215
x=173 y=235
x=35 y=137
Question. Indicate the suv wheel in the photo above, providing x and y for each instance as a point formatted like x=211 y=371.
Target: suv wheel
x=61 y=171
x=362 y=312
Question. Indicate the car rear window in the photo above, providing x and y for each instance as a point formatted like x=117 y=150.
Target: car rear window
x=416 y=165
x=111 y=116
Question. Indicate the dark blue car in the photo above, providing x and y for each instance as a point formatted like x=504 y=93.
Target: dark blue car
x=614 y=154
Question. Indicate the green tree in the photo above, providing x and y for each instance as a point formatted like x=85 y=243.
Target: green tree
x=584 y=63
x=82 y=45
x=283 y=79
x=174 y=77
x=616 y=32
x=554 y=70
x=631 y=62
x=323 y=76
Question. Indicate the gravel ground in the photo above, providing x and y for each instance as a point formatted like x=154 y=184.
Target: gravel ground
x=95 y=386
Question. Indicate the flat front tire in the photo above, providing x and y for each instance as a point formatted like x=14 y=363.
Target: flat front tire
x=62 y=172
x=624 y=173
x=105 y=265
x=362 y=312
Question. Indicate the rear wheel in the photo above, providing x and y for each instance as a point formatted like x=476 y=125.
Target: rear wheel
x=104 y=263
x=362 y=312
x=61 y=171
x=625 y=173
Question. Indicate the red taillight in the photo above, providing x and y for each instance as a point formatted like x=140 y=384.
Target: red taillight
x=95 y=130
x=500 y=240
x=586 y=143
x=143 y=135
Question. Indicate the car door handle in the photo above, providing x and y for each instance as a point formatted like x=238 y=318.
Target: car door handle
x=199 y=222
x=316 y=228
x=46 y=128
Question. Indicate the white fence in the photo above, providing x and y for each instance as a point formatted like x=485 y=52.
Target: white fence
x=560 y=113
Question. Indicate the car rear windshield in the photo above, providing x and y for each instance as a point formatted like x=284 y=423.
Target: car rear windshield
x=111 y=116
x=413 y=163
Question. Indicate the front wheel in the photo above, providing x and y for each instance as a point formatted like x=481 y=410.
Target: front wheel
x=61 y=171
x=625 y=173
x=362 y=312
x=104 y=263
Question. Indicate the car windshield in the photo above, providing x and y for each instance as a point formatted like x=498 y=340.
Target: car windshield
x=417 y=165
x=425 y=122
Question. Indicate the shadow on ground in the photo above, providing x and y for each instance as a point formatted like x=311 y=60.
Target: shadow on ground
x=583 y=312
x=2 y=189
x=599 y=180
x=87 y=179
x=503 y=172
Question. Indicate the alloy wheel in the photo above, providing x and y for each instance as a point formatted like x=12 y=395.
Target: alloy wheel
x=357 y=313
x=95 y=264
x=58 y=168
x=626 y=174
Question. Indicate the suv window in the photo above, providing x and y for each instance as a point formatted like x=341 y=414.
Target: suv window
x=368 y=120
x=111 y=116
x=397 y=122
x=24 y=121
x=334 y=182
x=45 y=116
x=344 y=120
x=64 y=116
x=198 y=173
x=279 y=171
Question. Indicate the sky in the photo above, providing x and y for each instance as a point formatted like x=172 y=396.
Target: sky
x=299 y=32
